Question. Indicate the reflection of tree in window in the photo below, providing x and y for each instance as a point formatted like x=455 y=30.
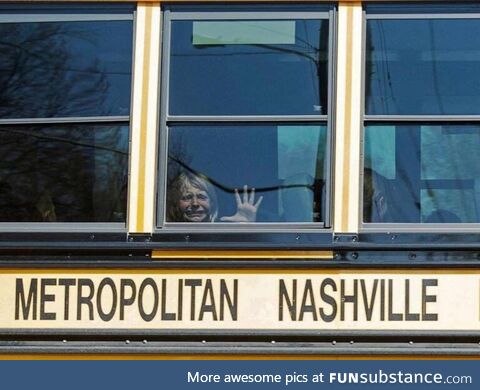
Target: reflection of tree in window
x=38 y=74
x=79 y=170
x=61 y=173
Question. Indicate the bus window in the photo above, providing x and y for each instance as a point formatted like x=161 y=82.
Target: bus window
x=283 y=75
x=421 y=132
x=65 y=78
x=426 y=173
x=281 y=163
x=245 y=120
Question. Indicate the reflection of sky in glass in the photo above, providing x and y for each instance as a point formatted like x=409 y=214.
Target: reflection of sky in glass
x=450 y=152
x=298 y=148
x=423 y=66
x=65 y=69
x=380 y=150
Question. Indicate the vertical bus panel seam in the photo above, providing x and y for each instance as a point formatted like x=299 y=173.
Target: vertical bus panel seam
x=136 y=118
x=140 y=225
x=347 y=119
x=339 y=122
x=356 y=85
x=152 y=120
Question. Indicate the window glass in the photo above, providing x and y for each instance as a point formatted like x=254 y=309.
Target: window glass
x=63 y=173
x=423 y=67
x=284 y=163
x=248 y=67
x=422 y=173
x=65 y=69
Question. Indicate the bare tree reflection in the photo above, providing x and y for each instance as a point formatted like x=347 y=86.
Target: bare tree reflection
x=61 y=173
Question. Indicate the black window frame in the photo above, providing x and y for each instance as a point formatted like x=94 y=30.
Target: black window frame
x=242 y=12
x=43 y=12
x=409 y=11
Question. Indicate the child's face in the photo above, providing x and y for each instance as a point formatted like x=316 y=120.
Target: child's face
x=194 y=204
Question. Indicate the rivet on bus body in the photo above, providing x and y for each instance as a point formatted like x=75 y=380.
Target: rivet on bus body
x=354 y=255
x=334 y=342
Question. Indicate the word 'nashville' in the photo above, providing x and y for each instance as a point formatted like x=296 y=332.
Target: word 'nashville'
x=379 y=299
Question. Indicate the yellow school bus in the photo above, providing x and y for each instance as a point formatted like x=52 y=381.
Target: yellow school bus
x=239 y=179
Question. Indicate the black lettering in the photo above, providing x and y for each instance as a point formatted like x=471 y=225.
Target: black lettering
x=124 y=301
x=166 y=316
x=369 y=304
x=44 y=297
x=349 y=299
x=27 y=304
x=391 y=315
x=180 y=299
x=428 y=298
x=382 y=300
x=208 y=295
x=226 y=297
x=409 y=316
x=328 y=299
x=103 y=315
x=192 y=283
x=310 y=308
x=67 y=283
x=145 y=316
x=291 y=303
x=85 y=300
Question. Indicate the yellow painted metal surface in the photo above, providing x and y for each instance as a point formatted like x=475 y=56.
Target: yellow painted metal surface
x=144 y=123
x=240 y=254
x=348 y=115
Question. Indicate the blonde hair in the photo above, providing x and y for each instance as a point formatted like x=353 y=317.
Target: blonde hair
x=178 y=187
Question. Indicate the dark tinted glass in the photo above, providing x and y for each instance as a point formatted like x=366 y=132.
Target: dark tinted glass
x=284 y=163
x=423 y=67
x=422 y=173
x=63 y=173
x=249 y=67
x=65 y=69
